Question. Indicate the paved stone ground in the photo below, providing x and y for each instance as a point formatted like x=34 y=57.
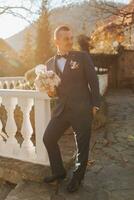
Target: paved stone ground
x=5 y=188
x=110 y=171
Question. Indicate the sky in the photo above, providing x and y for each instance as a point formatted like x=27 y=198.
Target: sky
x=9 y=25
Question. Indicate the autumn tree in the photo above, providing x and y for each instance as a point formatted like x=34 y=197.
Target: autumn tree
x=43 y=47
x=27 y=54
x=115 y=30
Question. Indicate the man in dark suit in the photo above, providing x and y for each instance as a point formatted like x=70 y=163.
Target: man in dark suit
x=78 y=101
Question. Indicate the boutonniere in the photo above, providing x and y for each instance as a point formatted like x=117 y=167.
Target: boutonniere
x=74 y=64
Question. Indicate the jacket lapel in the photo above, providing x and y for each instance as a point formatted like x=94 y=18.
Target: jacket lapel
x=54 y=64
x=66 y=64
x=56 y=69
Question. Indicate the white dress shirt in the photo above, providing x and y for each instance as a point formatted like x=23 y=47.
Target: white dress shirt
x=61 y=63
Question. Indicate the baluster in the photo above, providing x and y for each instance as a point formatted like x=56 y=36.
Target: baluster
x=12 y=146
x=2 y=143
x=42 y=117
x=16 y=83
x=12 y=84
x=19 y=82
x=27 y=149
x=1 y=139
x=1 y=85
x=4 y=84
x=8 y=84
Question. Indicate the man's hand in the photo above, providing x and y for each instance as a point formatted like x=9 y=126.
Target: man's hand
x=95 y=109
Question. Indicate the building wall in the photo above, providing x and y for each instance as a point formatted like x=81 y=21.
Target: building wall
x=120 y=67
x=126 y=67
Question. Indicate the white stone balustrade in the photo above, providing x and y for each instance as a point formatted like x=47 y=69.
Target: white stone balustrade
x=103 y=83
x=42 y=113
x=9 y=82
x=103 y=79
x=25 y=99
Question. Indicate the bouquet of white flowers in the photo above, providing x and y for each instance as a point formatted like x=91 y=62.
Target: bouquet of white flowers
x=46 y=81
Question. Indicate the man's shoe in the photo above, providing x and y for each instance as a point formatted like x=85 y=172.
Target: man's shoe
x=73 y=185
x=50 y=179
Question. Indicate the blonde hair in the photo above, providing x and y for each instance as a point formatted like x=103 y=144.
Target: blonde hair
x=60 y=28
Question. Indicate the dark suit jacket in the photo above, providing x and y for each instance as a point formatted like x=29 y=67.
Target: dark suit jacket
x=74 y=88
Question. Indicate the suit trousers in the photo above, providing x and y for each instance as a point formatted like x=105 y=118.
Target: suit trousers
x=81 y=124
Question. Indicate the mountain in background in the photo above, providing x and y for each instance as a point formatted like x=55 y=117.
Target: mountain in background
x=81 y=17
x=10 y=64
x=5 y=48
x=17 y=41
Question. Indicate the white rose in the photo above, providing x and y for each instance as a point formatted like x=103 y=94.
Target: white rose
x=40 y=69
